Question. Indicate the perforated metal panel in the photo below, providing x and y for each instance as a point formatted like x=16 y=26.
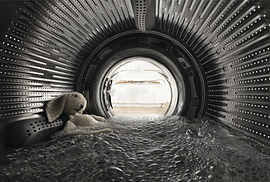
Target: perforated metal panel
x=45 y=46
x=140 y=14
x=231 y=41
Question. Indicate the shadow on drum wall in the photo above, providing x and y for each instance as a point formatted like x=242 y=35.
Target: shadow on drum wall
x=47 y=48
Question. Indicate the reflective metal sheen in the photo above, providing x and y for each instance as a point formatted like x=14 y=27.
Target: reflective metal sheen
x=45 y=45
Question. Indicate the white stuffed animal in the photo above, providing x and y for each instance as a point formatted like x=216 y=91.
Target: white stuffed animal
x=73 y=104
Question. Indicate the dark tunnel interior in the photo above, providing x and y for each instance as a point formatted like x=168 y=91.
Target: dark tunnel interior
x=217 y=51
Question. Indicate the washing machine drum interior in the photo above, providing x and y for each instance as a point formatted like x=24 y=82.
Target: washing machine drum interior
x=190 y=58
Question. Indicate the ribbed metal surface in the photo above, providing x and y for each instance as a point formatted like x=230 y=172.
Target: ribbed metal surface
x=140 y=14
x=231 y=41
x=44 y=48
x=46 y=43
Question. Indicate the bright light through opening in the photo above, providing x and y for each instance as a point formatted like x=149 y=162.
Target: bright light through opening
x=140 y=86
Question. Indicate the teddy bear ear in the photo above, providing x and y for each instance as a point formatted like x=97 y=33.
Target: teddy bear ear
x=55 y=107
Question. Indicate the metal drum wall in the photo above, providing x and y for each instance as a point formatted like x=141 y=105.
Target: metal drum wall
x=46 y=46
x=231 y=41
x=43 y=49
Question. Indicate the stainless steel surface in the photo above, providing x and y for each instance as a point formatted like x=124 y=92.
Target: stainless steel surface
x=231 y=41
x=45 y=46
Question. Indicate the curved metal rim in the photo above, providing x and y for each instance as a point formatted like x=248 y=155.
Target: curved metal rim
x=167 y=37
x=198 y=69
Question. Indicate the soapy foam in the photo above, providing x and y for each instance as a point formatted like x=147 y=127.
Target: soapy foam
x=140 y=149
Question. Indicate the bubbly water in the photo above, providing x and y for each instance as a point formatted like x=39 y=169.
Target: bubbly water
x=140 y=149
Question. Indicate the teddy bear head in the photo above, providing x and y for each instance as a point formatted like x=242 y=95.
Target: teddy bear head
x=69 y=104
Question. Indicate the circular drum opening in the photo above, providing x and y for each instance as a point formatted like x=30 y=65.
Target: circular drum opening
x=139 y=86
x=106 y=78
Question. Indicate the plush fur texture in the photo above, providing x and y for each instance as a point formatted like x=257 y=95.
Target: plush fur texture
x=73 y=104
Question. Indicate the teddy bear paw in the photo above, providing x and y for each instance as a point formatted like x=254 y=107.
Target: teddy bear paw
x=99 y=118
